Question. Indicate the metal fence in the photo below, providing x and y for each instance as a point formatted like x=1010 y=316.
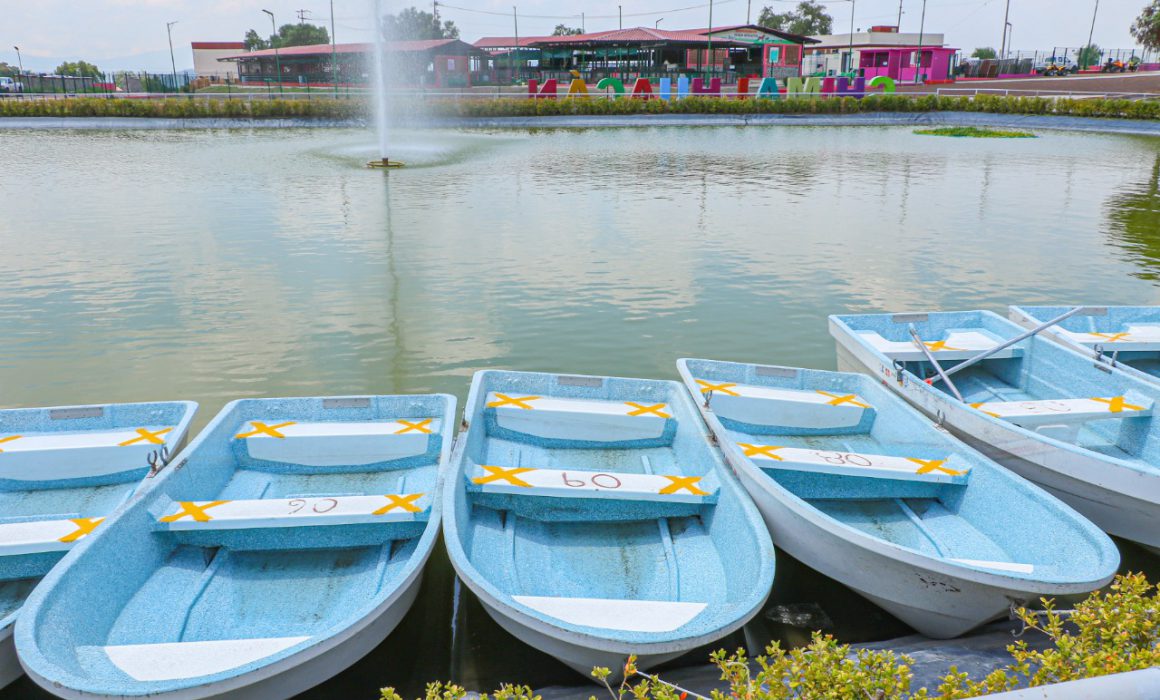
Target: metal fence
x=105 y=83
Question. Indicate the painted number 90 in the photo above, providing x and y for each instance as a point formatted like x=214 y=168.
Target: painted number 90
x=322 y=505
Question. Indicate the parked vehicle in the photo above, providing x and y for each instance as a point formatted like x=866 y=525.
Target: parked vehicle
x=10 y=85
x=1114 y=66
x=1057 y=66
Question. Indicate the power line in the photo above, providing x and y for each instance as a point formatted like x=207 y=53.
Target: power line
x=577 y=16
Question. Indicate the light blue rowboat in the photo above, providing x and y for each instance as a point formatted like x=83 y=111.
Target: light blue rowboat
x=281 y=546
x=594 y=519
x=1072 y=424
x=63 y=471
x=1127 y=337
x=858 y=485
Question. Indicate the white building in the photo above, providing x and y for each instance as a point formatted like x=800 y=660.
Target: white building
x=206 y=55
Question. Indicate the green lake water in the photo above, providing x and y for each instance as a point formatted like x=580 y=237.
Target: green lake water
x=213 y=265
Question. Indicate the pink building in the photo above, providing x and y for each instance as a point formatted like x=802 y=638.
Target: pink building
x=899 y=62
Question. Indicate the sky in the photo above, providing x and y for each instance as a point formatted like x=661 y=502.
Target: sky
x=131 y=34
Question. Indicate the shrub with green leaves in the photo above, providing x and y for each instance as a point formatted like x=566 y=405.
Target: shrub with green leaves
x=1110 y=632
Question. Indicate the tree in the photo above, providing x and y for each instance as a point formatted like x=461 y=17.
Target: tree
x=565 y=30
x=300 y=34
x=1089 y=55
x=808 y=18
x=1146 y=28
x=6 y=69
x=414 y=24
x=984 y=52
x=83 y=69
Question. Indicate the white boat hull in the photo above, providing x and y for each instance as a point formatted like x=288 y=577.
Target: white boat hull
x=293 y=674
x=1120 y=500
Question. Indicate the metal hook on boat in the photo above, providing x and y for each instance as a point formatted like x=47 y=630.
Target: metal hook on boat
x=157 y=460
x=1099 y=351
x=1115 y=357
x=899 y=371
x=708 y=397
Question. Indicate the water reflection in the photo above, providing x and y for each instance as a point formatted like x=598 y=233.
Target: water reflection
x=1134 y=219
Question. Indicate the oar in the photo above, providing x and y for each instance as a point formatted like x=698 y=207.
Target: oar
x=930 y=358
x=1008 y=343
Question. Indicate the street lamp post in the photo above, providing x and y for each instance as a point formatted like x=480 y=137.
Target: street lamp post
x=1003 y=41
x=172 y=63
x=19 y=60
x=657 y=24
x=277 y=57
x=921 y=27
x=1010 y=38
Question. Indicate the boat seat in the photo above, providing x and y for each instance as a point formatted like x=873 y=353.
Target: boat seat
x=852 y=475
x=335 y=444
x=615 y=614
x=579 y=422
x=1050 y=412
x=75 y=455
x=956 y=345
x=168 y=661
x=588 y=495
x=1008 y=566
x=1135 y=337
x=40 y=536
x=288 y=523
x=798 y=410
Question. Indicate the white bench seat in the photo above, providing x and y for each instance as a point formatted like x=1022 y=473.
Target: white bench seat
x=615 y=614
x=333 y=444
x=587 y=420
x=789 y=408
x=40 y=536
x=939 y=471
x=557 y=483
x=307 y=511
x=169 y=661
x=1134 y=337
x=73 y=455
x=955 y=345
x=1062 y=411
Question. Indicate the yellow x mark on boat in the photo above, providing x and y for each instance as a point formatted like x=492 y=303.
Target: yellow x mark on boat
x=763 y=450
x=10 y=438
x=688 y=483
x=1116 y=404
x=926 y=466
x=503 y=474
x=196 y=511
x=420 y=426
x=84 y=527
x=936 y=345
x=725 y=388
x=406 y=503
x=1112 y=337
x=839 y=399
x=517 y=401
x=641 y=409
x=261 y=428
x=144 y=435
x=980 y=405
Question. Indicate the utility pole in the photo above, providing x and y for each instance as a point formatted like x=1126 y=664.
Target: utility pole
x=516 y=25
x=921 y=27
x=898 y=25
x=709 y=60
x=334 y=51
x=301 y=15
x=1090 y=33
x=277 y=57
x=620 y=14
x=19 y=60
x=850 y=55
x=582 y=27
x=172 y=63
x=748 y=10
x=1003 y=42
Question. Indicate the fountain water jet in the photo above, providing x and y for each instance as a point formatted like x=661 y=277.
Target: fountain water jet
x=380 y=92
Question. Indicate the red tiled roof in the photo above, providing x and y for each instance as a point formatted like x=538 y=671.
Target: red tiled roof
x=218 y=45
x=634 y=35
x=506 y=42
x=325 y=49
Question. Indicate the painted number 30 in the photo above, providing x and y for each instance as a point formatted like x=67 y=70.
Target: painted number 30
x=322 y=505
x=602 y=481
x=844 y=458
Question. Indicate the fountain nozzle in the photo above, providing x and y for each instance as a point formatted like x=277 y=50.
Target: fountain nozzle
x=384 y=163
